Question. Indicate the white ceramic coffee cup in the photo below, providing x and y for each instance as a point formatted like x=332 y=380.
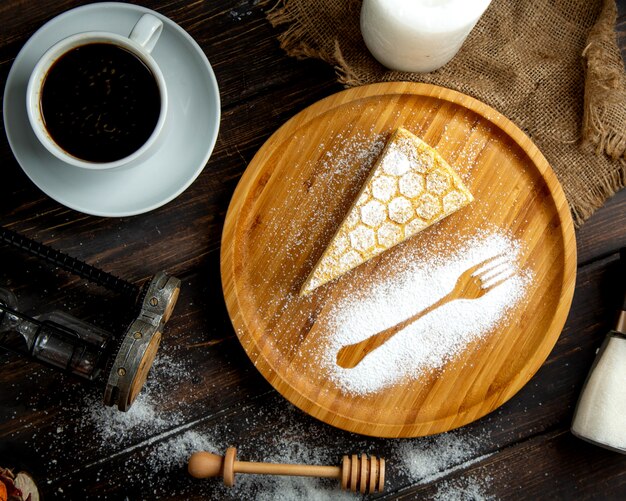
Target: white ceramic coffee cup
x=140 y=42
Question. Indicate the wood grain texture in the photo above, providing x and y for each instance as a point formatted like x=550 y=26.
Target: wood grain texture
x=526 y=451
x=281 y=194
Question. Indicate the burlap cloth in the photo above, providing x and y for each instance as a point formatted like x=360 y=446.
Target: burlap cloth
x=551 y=66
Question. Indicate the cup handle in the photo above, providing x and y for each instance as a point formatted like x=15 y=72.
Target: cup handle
x=147 y=32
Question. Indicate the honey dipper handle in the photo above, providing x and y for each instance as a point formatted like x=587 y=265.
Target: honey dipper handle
x=294 y=470
x=205 y=465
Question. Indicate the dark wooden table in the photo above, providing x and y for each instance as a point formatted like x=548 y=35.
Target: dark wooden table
x=203 y=391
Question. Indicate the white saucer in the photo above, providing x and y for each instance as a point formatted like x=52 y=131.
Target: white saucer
x=194 y=103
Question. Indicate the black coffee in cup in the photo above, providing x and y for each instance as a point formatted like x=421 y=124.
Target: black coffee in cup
x=100 y=102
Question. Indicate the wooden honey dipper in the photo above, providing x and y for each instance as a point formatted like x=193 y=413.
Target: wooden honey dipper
x=356 y=473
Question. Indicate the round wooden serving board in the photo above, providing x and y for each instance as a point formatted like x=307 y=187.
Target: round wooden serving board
x=295 y=193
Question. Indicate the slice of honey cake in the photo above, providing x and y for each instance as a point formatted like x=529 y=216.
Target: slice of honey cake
x=410 y=188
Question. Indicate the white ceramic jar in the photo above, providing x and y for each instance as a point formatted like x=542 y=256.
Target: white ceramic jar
x=418 y=35
x=600 y=415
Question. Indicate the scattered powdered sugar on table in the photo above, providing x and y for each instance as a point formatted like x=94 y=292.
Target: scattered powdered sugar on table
x=428 y=459
x=148 y=412
x=464 y=489
x=286 y=489
x=436 y=338
x=409 y=461
x=432 y=459
x=153 y=444
x=112 y=425
x=175 y=452
x=302 y=441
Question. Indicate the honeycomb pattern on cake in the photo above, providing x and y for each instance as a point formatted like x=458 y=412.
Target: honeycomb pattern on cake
x=410 y=188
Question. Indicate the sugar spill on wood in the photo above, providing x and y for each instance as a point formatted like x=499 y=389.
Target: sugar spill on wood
x=300 y=441
x=173 y=453
x=464 y=489
x=286 y=434
x=282 y=434
x=352 y=156
x=444 y=334
x=429 y=459
x=145 y=417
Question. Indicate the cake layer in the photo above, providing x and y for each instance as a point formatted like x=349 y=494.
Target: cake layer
x=410 y=188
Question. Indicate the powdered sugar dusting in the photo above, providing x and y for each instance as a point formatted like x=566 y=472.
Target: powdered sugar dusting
x=428 y=459
x=302 y=441
x=176 y=451
x=147 y=414
x=464 y=489
x=383 y=215
x=152 y=446
x=111 y=424
x=436 y=338
x=351 y=157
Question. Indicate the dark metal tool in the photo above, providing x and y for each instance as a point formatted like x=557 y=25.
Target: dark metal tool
x=63 y=341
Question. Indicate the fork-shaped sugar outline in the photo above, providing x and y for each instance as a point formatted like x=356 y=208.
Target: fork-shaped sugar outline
x=473 y=283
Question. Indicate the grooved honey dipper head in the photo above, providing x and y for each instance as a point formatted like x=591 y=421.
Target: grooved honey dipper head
x=363 y=474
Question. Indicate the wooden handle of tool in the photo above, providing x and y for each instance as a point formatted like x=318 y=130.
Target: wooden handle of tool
x=356 y=473
x=206 y=465
x=294 y=470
